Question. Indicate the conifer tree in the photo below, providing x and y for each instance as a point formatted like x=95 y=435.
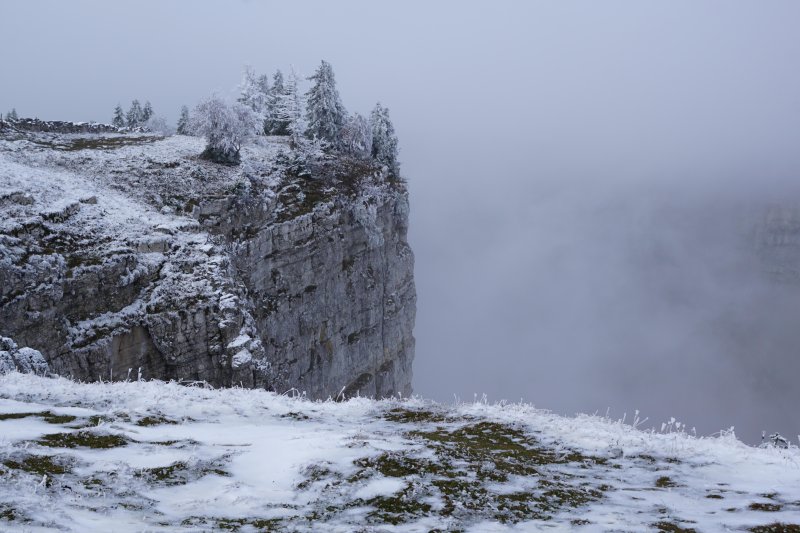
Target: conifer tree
x=147 y=112
x=275 y=125
x=12 y=115
x=291 y=109
x=134 y=116
x=183 y=121
x=384 y=140
x=325 y=113
x=119 y=117
x=254 y=93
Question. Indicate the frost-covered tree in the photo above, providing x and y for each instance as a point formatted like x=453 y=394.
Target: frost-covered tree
x=325 y=113
x=276 y=124
x=12 y=115
x=225 y=127
x=135 y=114
x=356 y=137
x=289 y=109
x=158 y=124
x=147 y=112
x=384 y=140
x=253 y=92
x=183 y=121
x=119 y=117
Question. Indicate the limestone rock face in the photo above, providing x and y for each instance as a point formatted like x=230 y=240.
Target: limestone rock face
x=147 y=262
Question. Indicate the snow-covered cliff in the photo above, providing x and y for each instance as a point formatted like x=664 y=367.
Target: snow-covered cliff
x=128 y=255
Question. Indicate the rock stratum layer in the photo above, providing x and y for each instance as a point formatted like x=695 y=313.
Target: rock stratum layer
x=128 y=256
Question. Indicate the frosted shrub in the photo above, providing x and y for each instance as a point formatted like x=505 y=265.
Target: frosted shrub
x=225 y=127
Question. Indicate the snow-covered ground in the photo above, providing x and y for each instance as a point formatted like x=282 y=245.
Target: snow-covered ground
x=154 y=456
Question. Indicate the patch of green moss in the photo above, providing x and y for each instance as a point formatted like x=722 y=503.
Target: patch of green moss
x=413 y=416
x=509 y=450
x=398 y=509
x=232 y=524
x=179 y=473
x=17 y=416
x=154 y=421
x=766 y=507
x=295 y=415
x=52 y=418
x=776 y=527
x=665 y=482
x=671 y=527
x=41 y=465
x=82 y=439
x=46 y=415
x=395 y=464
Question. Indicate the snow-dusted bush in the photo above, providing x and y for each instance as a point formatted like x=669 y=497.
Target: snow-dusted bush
x=225 y=127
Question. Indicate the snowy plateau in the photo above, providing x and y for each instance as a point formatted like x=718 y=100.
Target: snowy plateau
x=156 y=456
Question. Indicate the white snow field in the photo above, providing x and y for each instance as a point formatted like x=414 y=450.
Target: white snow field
x=154 y=456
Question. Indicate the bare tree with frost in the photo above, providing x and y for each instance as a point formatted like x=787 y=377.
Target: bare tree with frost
x=384 y=140
x=325 y=113
x=225 y=127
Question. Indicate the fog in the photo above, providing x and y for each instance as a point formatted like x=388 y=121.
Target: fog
x=588 y=180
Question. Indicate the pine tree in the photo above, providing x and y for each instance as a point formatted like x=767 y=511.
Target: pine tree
x=134 y=116
x=274 y=124
x=384 y=140
x=253 y=93
x=292 y=109
x=11 y=116
x=147 y=112
x=183 y=121
x=288 y=110
x=325 y=114
x=119 y=117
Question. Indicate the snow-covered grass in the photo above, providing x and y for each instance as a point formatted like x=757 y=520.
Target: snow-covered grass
x=154 y=456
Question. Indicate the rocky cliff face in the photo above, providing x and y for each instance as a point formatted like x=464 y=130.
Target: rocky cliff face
x=123 y=257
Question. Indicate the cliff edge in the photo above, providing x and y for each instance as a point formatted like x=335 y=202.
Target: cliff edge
x=126 y=256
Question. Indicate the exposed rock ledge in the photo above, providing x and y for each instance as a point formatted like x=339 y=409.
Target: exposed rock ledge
x=144 y=260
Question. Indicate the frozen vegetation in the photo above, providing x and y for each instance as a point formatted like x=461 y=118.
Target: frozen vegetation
x=156 y=456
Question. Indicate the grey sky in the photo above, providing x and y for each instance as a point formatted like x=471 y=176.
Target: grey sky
x=580 y=173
